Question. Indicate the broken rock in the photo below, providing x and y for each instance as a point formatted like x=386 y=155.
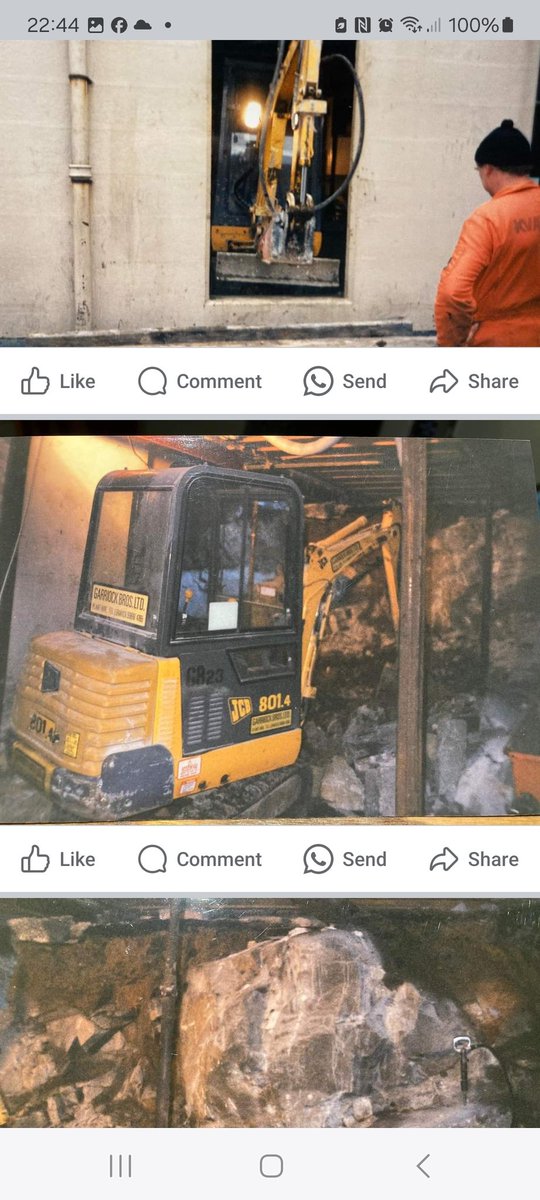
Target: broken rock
x=485 y=787
x=451 y=755
x=53 y=930
x=304 y=1032
x=26 y=1062
x=341 y=788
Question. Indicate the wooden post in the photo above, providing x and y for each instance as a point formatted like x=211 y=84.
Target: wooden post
x=486 y=596
x=411 y=719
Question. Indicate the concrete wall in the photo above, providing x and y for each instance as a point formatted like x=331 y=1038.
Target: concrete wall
x=151 y=124
x=427 y=105
x=36 y=253
x=61 y=480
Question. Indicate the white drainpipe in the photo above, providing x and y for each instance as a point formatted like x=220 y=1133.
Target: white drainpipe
x=80 y=173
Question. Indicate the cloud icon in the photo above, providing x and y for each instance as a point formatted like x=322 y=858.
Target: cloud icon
x=142 y=25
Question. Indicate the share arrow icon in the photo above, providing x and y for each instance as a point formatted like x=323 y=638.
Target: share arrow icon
x=446 y=859
x=446 y=381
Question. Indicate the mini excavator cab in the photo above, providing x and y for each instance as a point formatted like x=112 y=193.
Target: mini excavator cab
x=184 y=668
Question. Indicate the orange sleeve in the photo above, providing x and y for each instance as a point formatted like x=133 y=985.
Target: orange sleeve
x=455 y=304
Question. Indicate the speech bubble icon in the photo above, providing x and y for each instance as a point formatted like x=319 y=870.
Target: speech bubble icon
x=153 y=860
x=318 y=381
x=153 y=381
x=318 y=859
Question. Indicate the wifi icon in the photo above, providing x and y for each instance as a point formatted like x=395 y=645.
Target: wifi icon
x=412 y=24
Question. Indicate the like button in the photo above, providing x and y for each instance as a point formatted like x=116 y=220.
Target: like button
x=35 y=861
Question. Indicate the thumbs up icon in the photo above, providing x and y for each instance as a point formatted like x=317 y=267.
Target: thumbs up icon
x=35 y=861
x=36 y=384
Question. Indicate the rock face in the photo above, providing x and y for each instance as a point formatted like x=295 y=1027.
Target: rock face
x=302 y=1031
x=79 y=1036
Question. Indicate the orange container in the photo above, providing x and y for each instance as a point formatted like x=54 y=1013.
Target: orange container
x=523 y=750
x=526 y=772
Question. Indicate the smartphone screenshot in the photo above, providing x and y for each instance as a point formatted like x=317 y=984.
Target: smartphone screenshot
x=269 y=695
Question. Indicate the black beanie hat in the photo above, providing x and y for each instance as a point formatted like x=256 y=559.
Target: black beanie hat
x=505 y=148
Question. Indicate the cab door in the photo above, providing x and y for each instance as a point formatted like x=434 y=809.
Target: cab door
x=237 y=612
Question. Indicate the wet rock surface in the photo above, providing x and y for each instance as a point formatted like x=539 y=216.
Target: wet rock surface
x=304 y=1031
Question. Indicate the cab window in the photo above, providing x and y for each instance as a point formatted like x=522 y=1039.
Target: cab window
x=127 y=557
x=233 y=570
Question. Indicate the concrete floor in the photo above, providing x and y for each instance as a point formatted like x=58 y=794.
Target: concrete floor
x=21 y=803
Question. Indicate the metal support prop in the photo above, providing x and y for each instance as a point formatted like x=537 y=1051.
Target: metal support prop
x=411 y=717
x=169 y=1007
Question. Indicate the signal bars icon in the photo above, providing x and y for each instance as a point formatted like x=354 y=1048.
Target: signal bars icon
x=436 y=27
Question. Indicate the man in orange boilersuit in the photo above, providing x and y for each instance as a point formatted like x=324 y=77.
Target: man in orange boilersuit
x=489 y=294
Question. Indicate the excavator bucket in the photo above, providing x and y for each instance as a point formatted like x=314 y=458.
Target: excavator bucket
x=249 y=268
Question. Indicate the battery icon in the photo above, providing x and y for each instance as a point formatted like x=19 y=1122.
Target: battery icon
x=507 y=25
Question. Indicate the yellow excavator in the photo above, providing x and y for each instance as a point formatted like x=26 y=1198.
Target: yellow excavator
x=198 y=621
x=276 y=240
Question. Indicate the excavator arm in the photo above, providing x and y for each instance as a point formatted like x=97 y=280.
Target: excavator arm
x=282 y=245
x=338 y=557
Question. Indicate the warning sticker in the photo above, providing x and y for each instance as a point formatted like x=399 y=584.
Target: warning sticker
x=187 y=767
x=71 y=744
x=345 y=556
x=119 y=605
x=274 y=720
x=187 y=787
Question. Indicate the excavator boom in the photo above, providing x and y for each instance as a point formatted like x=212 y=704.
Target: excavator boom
x=338 y=557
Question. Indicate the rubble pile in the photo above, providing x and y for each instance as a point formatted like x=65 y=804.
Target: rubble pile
x=80 y=1040
x=468 y=772
x=303 y=1031
x=352 y=748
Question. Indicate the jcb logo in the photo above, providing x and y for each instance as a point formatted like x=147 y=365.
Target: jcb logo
x=239 y=707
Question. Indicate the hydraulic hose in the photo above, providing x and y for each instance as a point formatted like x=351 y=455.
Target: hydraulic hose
x=361 y=135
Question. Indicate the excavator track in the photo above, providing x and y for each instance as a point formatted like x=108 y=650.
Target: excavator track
x=263 y=797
